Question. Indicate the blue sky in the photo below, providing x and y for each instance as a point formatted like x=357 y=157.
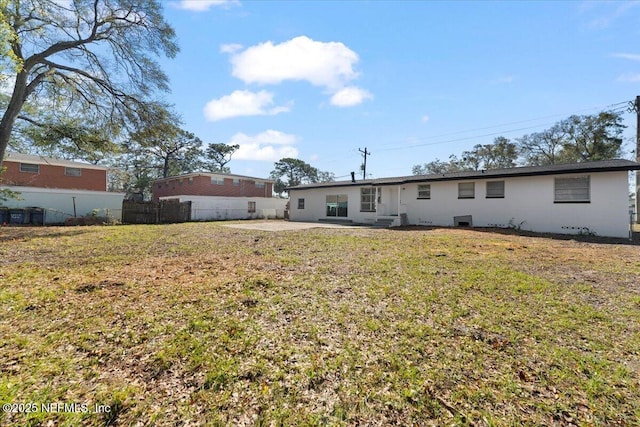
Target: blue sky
x=411 y=81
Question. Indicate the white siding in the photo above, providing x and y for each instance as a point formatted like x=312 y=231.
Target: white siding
x=209 y=208
x=528 y=203
x=59 y=202
x=315 y=205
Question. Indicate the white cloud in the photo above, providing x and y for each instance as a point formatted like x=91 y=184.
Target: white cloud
x=631 y=56
x=301 y=58
x=629 y=78
x=243 y=103
x=230 y=48
x=425 y=119
x=606 y=18
x=504 y=80
x=270 y=145
x=350 y=96
x=204 y=5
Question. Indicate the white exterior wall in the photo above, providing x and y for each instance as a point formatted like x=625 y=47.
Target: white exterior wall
x=209 y=208
x=59 y=202
x=528 y=204
x=315 y=205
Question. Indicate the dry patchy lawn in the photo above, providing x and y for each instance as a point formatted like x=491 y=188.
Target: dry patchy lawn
x=199 y=324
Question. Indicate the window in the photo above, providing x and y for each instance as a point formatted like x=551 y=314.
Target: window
x=495 y=190
x=29 y=168
x=337 y=205
x=424 y=191
x=259 y=184
x=236 y=182
x=217 y=181
x=252 y=207
x=368 y=199
x=575 y=189
x=300 y=203
x=73 y=171
x=466 y=190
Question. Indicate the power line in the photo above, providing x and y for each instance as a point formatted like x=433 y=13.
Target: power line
x=606 y=107
x=619 y=106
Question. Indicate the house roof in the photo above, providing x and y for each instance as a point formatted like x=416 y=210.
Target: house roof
x=212 y=174
x=614 y=165
x=42 y=160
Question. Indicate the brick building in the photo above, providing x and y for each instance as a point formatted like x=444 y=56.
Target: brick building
x=46 y=172
x=217 y=196
x=60 y=188
x=212 y=184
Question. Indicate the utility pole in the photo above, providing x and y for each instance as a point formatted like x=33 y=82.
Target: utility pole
x=366 y=153
x=636 y=107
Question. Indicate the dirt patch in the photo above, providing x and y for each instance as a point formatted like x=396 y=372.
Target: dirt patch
x=284 y=225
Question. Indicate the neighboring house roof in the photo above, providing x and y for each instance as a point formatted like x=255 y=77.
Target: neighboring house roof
x=42 y=160
x=212 y=174
x=586 y=167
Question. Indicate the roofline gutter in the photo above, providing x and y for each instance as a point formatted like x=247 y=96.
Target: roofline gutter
x=473 y=177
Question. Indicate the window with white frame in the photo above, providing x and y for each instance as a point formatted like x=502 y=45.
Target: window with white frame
x=252 y=207
x=73 y=171
x=259 y=184
x=424 y=191
x=574 y=189
x=217 y=181
x=495 y=189
x=466 y=190
x=236 y=182
x=368 y=199
x=29 y=168
x=337 y=205
x=300 y=203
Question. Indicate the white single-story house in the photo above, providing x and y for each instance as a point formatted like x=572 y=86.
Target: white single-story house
x=211 y=208
x=580 y=198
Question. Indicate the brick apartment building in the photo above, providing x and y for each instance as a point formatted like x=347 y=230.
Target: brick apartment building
x=45 y=172
x=217 y=196
x=61 y=189
x=212 y=184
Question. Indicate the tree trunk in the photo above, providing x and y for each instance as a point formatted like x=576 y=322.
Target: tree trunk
x=11 y=113
x=165 y=168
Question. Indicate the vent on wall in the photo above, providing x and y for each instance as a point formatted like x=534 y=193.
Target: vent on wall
x=463 y=221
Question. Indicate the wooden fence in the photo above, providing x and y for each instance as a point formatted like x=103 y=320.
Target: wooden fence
x=166 y=211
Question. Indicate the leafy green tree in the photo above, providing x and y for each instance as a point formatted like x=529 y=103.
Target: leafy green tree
x=575 y=139
x=501 y=154
x=543 y=148
x=324 y=176
x=218 y=155
x=435 y=167
x=594 y=137
x=289 y=172
x=158 y=148
x=69 y=138
x=85 y=57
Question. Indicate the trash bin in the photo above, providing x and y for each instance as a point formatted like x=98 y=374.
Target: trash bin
x=36 y=216
x=4 y=215
x=16 y=216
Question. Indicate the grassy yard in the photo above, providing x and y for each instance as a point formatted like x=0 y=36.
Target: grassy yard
x=200 y=324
